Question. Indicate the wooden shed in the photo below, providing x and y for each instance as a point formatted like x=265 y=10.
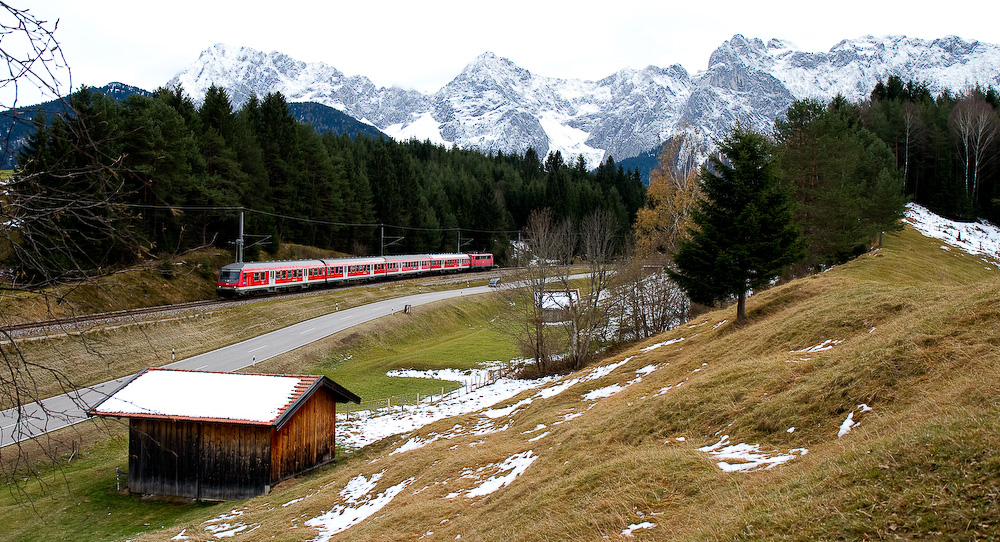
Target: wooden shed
x=221 y=436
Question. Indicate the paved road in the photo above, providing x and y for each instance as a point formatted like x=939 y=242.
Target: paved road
x=36 y=419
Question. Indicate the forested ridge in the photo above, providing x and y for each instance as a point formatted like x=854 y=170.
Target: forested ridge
x=945 y=146
x=166 y=176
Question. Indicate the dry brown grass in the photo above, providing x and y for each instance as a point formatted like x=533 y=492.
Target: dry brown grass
x=107 y=352
x=918 y=329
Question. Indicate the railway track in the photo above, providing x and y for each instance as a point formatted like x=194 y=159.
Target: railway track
x=84 y=322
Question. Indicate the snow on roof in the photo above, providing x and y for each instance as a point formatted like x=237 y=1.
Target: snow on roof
x=558 y=300
x=206 y=396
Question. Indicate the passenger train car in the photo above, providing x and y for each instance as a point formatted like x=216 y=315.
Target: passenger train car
x=237 y=279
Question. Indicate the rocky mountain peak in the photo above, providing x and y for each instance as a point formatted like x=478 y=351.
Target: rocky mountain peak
x=493 y=104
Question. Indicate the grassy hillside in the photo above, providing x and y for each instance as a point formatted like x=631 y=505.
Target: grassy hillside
x=903 y=345
x=860 y=403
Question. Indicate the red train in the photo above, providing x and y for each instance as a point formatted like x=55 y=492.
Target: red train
x=238 y=279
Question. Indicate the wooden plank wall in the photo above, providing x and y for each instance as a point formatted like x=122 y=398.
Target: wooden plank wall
x=235 y=461
x=163 y=458
x=216 y=461
x=307 y=440
x=210 y=461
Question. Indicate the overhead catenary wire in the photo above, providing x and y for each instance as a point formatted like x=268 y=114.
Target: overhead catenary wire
x=207 y=208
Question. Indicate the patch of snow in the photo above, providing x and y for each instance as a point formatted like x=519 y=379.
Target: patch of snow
x=506 y=411
x=821 y=347
x=747 y=457
x=359 y=486
x=658 y=345
x=627 y=532
x=539 y=437
x=538 y=427
x=601 y=393
x=342 y=517
x=973 y=237
x=514 y=466
x=366 y=427
x=422 y=127
x=662 y=391
x=647 y=369
x=849 y=423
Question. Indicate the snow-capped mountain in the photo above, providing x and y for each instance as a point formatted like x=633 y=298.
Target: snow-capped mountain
x=494 y=105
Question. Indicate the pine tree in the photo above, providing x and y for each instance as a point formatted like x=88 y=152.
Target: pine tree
x=744 y=235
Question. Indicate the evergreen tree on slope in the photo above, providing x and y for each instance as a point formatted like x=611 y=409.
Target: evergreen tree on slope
x=743 y=234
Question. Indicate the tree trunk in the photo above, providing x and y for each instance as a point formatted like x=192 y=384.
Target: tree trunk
x=741 y=308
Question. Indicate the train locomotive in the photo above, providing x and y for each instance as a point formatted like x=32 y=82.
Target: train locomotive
x=240 y=279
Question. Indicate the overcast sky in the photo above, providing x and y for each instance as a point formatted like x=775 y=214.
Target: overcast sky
x=424 y=44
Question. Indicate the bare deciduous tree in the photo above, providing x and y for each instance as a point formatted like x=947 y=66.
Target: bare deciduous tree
x=587 y=314
x=30 y=232
x=543 y=254
x=644 y=302
x=976 y=125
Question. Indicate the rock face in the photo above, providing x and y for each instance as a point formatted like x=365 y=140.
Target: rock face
x=494 y=105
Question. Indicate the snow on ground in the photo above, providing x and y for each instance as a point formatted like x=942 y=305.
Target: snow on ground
x=747 y=457
x=360 y=500
x=514 y=466
x=220 y=527
x=849 y=422
x=821 y=347
x=366 y=427
x=627 y=532
x=343 y=517
x=979 y=238
x=658 y=345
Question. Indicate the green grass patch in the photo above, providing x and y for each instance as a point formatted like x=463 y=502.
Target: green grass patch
x=455 y=334
x=77 y=500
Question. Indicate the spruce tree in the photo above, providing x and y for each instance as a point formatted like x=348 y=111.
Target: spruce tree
x=743 y=233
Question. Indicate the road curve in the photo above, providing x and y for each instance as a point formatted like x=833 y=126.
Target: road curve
x=36 y=419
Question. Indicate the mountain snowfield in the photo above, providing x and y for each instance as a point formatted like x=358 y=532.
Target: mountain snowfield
x=494 y=105
x=363 y=497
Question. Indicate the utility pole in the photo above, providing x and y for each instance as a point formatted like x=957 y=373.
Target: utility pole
x=239 y=242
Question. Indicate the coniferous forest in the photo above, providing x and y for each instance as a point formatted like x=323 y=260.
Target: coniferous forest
x=166 y=176
x=946 y=146
x=118 y=181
